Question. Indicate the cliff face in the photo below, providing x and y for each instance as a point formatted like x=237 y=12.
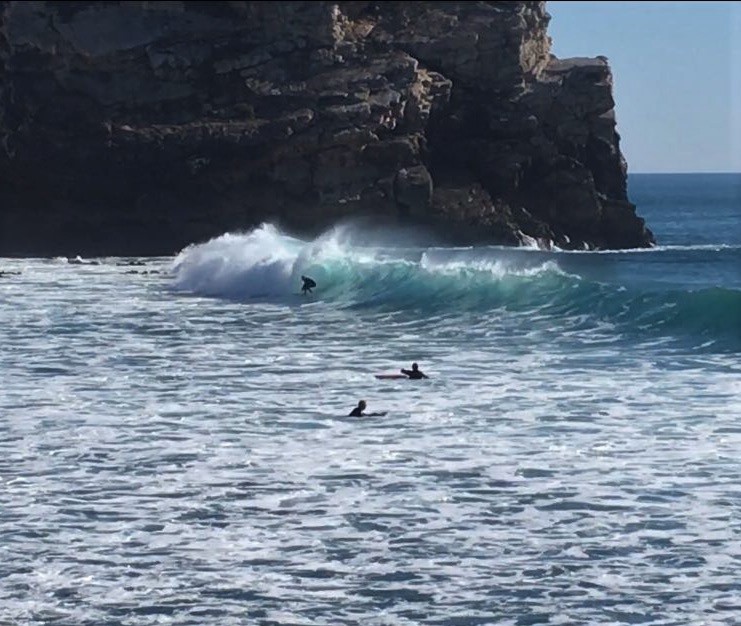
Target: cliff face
x=138 y=127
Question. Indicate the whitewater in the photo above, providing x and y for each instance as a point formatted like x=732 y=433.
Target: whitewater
x=175 y=446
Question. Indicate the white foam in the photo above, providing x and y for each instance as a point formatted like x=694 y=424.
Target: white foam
x=494 y=267
x=711 y=247
x=259 y=263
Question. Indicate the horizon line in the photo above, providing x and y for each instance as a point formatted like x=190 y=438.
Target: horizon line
x=686 y=172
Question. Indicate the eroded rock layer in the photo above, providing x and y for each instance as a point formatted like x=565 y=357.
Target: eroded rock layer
x=140 y=127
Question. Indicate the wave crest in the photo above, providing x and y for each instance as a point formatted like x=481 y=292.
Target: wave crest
x=266 y=265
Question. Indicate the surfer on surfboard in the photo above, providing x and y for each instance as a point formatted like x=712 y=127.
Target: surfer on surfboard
x=308 y=285
x=358 y=411
x=415 y=373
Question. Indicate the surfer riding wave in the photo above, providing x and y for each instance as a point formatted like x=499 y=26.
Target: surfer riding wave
x=308 y=285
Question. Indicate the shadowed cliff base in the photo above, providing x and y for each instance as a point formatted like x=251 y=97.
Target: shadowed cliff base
x=137 y=128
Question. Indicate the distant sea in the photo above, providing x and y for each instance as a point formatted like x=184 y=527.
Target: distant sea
x=175 y=446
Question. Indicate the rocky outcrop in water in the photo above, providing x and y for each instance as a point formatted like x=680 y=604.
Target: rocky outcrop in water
x=138 y=127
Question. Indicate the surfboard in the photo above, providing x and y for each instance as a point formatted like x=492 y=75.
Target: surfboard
x=390 y=376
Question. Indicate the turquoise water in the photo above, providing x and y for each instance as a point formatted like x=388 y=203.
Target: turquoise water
x=174 y=446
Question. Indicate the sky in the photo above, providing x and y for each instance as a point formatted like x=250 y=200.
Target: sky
x=677 y=77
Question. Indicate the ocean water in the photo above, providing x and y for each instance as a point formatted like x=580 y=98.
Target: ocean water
x=174 y=446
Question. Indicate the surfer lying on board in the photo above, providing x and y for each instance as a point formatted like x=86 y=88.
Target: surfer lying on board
x=415 y=373
x=308 y=285
x=358 y=411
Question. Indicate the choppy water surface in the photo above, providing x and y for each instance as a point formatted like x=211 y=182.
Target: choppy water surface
x=174 y=447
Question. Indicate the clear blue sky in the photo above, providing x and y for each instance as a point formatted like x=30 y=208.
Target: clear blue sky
x=677 y=74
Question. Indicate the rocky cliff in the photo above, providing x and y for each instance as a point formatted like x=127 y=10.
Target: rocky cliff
x=140 y=127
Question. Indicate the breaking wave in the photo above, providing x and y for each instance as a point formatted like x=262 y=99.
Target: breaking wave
x=266 y=265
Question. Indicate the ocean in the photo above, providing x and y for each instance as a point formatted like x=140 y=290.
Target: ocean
x=175 y=446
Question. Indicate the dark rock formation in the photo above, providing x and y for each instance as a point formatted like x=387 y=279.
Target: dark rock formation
x=140 y=127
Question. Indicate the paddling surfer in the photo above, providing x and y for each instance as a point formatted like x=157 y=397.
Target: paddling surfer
x=358 y=411
x=415 y=373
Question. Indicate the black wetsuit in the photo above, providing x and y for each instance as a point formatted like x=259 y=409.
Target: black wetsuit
x=413 y=374
x=308 y=285
x=356 y=412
